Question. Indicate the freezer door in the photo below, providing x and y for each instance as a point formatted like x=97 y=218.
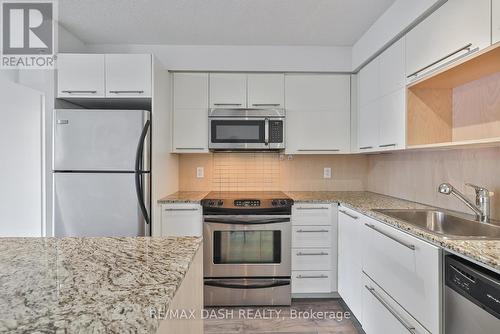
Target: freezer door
x=97 y=140
x=96 y=204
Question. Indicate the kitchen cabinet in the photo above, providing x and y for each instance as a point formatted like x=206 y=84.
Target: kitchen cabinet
x=228 y=90
x=392 y=120
x=318 y=114
x=266 y=90
x=128 y=75
x=314 y=250
x=368 y=119
x=406 y=268
x=181 y=219
x=80 y=75
x=369 y=82
x=495 y=24
x=350 y=245
x=452 y=31
x=190 y=113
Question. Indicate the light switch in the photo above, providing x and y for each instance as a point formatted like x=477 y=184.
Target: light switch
x=200 y=172
x=327 y=173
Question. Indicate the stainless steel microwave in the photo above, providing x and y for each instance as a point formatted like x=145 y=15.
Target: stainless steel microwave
x=246 y=129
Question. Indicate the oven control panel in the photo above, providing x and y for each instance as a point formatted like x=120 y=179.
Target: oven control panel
x=247 y=202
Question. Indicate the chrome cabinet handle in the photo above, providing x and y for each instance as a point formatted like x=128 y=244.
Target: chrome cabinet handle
x=189 y=148
x=181 y=209
x=365 y=147
x=412 y=247
x=227 y=104
x=313 y=208
x=387 y=145
x=311 y=254
x=126 y=91
x=348 y=214
x=318 y=150
x=312 y=231
x=466 y=47
x=388 y=308
x=80 y=91
x=311 y=276
x=266 y=104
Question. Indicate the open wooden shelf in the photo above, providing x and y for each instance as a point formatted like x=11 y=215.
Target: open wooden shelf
x=458 y=106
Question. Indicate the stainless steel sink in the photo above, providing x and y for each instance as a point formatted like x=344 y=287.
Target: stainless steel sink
x=444 y=224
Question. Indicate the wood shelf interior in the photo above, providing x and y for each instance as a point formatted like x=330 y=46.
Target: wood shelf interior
x=457 y=105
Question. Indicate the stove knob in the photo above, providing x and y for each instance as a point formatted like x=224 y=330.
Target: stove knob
x=211 y=203
x=220 y=203
x=274 y=202
x=283 y=202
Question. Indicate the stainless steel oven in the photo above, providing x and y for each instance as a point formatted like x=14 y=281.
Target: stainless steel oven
x=246 y=129
x=247 y=251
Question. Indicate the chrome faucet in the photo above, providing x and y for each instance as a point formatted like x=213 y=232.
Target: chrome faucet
x=482 y=206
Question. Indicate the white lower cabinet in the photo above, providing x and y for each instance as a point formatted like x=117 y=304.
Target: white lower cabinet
x=495 y=21
x=314 y=249
x=181 y=219
x=383 y=315
x=349 y=262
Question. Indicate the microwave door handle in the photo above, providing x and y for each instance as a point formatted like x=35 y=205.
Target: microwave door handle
x=233 y=221
x=266 y=132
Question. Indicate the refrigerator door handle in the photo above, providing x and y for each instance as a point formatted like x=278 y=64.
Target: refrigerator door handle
x=138 y=171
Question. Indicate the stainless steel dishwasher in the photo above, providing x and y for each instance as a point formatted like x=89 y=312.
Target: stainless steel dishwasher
x=472 y=298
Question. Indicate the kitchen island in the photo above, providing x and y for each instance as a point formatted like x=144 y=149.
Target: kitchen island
x=97 y=285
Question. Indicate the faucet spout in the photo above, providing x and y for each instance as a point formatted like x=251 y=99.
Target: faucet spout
x=481 y=211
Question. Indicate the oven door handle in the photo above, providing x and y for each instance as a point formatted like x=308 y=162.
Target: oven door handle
x=233 y=221
x=272 y=284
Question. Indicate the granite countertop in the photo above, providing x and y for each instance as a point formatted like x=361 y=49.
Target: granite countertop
x=184 y=197
x=98 y=285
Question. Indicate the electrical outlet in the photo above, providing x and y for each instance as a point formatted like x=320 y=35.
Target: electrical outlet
x=327 y=173
x=200 y=172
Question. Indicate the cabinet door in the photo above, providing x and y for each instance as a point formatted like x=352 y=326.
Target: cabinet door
x=495 y=24
x=392 y=121
x=228 y=90
x=128 y=75
x=369 y=83
x=368 y=124
x=181 y=220
x=190 y=115
x=445 y=34
x=80 y=75
x=349 y=260
x=266 y=90
x=392 y=68
x=318 y=114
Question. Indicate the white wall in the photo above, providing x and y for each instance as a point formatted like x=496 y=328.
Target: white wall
x=68 y=42
x=9 y=75
x=403 y=14
x=240 y=58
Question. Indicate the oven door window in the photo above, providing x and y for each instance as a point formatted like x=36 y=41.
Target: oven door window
x=247 y=247
x=238 y=131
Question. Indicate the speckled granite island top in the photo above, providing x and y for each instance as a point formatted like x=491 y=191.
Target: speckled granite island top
x=89 y=285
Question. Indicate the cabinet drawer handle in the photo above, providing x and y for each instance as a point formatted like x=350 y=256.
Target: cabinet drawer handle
x=319 y=150
x=311 y=254
x=313 y=208
x=126 y=91
x=466 y=47
x=388 y=308
x=311 y=276
x=189 y=148
x=266 y=104
x=80 y=91
x=348 y=214
x=312 y=231
x=365 y=147
x=227 y=104
x=412 y=247
x=387 y=145
x=182 y=209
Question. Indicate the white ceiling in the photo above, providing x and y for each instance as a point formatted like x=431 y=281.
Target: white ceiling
x=221 y=22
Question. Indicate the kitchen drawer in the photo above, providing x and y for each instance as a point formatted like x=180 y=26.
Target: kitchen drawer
x=181 y=219
x=311 y=281
x=407 y=268
x=311 y=259
x=383 y=315
x=311 y=236
x=312 y=214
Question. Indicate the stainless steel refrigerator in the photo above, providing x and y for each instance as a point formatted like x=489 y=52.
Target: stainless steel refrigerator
x=101 y=181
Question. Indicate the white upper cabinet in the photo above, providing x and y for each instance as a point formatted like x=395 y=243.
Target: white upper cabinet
x=318 y=114
x=266 y=90
x=392 y=121
x=128 y=75
x=190 y=114
x=368 y=83
x=80 y=75
x=453 y=30
x=368 y=119
x=228 y=90
x=392 y=68
x=495 y=24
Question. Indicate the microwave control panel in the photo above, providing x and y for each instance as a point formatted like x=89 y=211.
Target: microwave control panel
x=275 y=131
